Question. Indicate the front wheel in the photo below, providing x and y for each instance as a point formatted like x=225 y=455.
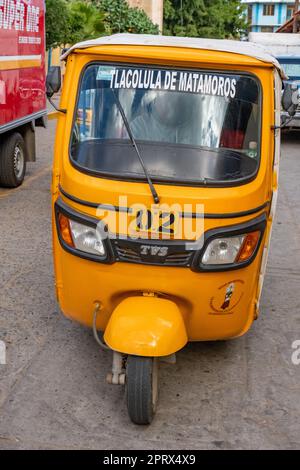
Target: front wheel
x=142 y=388
x=12 y=161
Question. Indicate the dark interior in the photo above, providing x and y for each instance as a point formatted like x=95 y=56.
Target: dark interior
x=163 y=161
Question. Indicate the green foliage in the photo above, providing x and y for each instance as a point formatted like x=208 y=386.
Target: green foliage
x=185 y=22
x=204 y=18
x=70 y=21
x=56 y=22
x=120 y=18
x=85 y=22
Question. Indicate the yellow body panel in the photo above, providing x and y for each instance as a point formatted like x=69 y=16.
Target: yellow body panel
x=198 y=295
x=82 y=283
x=146 y=326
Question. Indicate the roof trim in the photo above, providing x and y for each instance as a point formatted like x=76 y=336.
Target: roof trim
x=223 y=45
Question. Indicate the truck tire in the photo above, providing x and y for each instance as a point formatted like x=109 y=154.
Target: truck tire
x=12 y=160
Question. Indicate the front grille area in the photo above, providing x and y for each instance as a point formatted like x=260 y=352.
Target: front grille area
x=158 y=252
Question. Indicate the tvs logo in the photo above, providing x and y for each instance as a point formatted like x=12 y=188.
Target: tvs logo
x=153 y=250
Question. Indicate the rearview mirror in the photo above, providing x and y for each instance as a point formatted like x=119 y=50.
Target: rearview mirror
x=53 y=80
x=290 y=98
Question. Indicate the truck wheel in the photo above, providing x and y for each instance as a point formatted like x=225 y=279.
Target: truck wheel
x=12 y=161
x=142 y=388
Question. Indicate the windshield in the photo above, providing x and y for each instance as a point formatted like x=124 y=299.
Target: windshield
x=292 y=69
x=190 y=126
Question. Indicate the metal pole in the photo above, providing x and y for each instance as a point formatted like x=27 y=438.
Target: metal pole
x=49 y=57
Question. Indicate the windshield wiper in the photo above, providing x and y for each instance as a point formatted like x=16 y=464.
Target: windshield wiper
x=127 y=125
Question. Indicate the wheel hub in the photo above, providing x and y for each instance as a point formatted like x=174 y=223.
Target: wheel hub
x=18 y=161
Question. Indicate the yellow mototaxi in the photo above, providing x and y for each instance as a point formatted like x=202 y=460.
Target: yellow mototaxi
x=164 y=189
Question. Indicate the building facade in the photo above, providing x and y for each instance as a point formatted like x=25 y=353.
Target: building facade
x=153 y=8
x=267 y=16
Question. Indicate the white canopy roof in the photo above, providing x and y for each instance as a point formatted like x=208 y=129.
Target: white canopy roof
x=223 y=45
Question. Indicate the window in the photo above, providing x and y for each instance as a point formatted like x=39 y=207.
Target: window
x=289 y=12
x=250 y=10
x=190 y=125
x=269 y=10
x=266 y=29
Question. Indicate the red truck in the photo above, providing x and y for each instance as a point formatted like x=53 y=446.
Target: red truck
x=22 y=85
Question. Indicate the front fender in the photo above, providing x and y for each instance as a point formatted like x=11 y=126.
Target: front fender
x=146 y=326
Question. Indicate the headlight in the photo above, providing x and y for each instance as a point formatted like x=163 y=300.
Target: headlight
x=79 y=236
x=222 y=250
x=86 y=238
x=230 y=250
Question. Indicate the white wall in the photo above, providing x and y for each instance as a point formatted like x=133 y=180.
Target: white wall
x=278 y=43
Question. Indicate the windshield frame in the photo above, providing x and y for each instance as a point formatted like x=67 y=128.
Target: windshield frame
x=118 y=176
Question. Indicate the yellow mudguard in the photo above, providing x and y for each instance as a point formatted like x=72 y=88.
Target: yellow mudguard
x=146 y=326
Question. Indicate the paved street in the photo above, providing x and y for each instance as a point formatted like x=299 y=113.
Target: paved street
x=238 y=394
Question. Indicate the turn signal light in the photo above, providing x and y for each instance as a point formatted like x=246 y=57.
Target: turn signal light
x=65 y=230
x=248 y=247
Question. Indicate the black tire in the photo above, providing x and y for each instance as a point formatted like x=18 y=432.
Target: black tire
x=141 y=388
x=12 y=160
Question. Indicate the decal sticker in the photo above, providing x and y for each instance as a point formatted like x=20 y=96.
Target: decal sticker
x=227 y=297
x=155 y=79
x=19 y=15
x=105 y=73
